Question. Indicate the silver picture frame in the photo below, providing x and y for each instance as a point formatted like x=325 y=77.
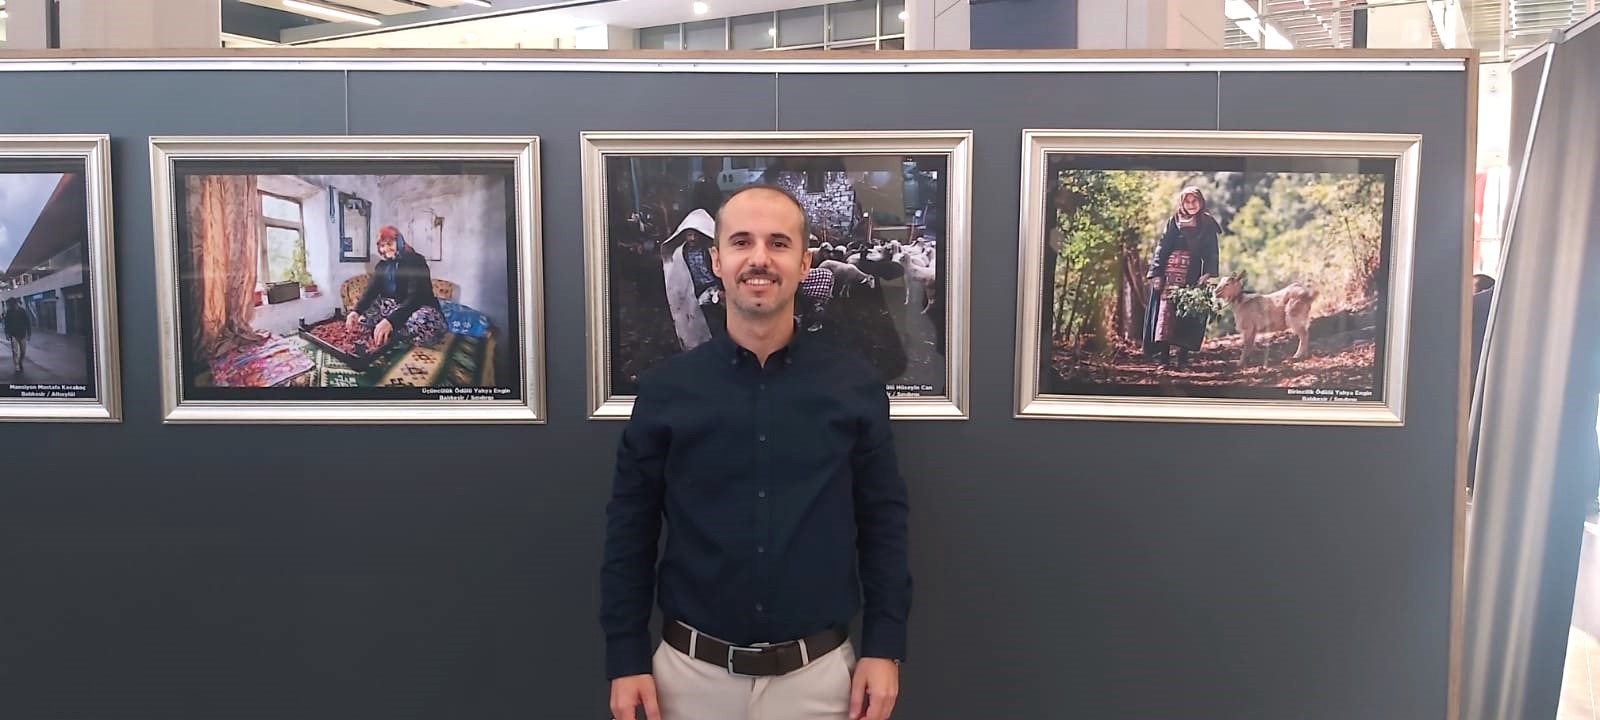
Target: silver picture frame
x=604 y=402
x=105 y=403
x=527 y=309
x=1038 y=145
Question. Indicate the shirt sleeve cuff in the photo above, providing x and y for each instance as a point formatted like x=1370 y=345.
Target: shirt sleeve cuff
x=627 y=655
x=883 y=640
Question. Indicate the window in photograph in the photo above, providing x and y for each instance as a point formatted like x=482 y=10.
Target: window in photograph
x=283 y=252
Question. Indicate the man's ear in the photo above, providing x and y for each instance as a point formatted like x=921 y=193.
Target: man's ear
x=716 y=261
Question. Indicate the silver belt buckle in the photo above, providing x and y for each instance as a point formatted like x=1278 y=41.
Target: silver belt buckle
x=733 y=650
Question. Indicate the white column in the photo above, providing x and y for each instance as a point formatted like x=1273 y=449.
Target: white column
x=61 y=311
x=141 y=24
x=1198 y=24
x=27 y=24
x=938 y=25
x=1150 y=24
x=1399 y=26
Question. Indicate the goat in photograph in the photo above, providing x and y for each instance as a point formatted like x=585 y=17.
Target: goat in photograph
x=919 y=266
x=1254 y=314
x=846 y=276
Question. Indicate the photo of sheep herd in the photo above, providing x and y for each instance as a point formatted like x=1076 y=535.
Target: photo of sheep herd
x=876 y=285
x=1237 y=278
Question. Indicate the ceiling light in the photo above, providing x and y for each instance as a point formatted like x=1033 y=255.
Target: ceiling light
x=701 y=8
x=328 y=11
x=479 y=3
x=772 y=31
x=902 y=16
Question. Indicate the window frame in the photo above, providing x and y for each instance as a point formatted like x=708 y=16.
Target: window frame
x=265 y=266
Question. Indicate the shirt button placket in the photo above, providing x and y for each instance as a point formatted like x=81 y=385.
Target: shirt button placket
x=763 y=405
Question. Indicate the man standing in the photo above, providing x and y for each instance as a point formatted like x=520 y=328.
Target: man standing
x=19 y=327
x=770 y=457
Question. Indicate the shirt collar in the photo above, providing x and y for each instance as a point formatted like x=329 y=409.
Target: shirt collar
x=733 y=351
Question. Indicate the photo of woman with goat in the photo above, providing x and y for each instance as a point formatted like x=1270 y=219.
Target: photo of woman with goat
x=1216 y=282
x=1216 y=276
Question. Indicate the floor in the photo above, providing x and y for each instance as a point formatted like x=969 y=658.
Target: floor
x=52 y=358
x=1580 y=684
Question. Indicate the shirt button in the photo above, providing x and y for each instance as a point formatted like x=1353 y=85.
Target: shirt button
x=763 y=386
x=760 y=607
x=762 y=437
x=761 y=549
x=761 y=493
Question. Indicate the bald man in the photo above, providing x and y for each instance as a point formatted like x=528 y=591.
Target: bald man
x=768 y=454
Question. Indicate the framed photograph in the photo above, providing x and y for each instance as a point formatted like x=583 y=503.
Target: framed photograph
x=269 y=313
x=57 y=289
x=1237 y=277
x=890 y=233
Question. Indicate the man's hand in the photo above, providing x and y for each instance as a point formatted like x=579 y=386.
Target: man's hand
x=632 y=691
x=351 y=320
x=873 y=689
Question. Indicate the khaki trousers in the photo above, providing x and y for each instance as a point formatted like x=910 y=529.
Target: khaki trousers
x=690 y=689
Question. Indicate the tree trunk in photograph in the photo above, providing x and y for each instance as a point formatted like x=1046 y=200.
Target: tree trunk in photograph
x=1133 y=298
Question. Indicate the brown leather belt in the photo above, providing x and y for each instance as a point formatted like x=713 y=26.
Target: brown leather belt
x=752 y=661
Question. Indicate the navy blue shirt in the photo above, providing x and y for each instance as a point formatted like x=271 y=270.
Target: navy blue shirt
x=782 y=497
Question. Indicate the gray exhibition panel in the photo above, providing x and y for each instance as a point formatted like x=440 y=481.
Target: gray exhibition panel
x=1062 y=569
x=1538 y=462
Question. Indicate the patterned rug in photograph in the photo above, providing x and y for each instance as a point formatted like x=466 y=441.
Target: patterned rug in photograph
x=458 y=361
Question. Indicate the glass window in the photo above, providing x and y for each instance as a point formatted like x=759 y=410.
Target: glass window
x=800 y=26
x=283 y=254
x=853 y=20
x=664 y=37
x=898 y=43
x=893 y=17
x=753 y=32
x=278 y=208
x=706 y=35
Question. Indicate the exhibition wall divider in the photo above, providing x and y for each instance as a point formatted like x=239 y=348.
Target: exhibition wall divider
x=1536 y=407
x=1152 y=473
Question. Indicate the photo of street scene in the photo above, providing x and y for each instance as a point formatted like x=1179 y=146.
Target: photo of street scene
x=45 y=308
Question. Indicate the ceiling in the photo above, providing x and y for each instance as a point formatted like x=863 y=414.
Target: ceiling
x=1503 y=29
x=1499 y=29
x=275 y=21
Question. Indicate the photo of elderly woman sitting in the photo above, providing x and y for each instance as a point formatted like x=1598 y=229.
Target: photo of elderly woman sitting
x=402 y=295
x=357 y=283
